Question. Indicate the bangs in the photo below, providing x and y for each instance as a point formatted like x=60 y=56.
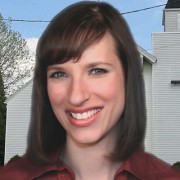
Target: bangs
x=67 y=37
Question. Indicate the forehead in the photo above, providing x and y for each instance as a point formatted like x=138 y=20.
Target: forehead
x=102 y=48
x=102 y=52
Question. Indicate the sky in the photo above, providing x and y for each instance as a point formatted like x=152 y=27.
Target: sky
x=142 y=24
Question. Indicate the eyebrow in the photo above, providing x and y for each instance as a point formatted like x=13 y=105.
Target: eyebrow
x=55 y=67
x=90 y=65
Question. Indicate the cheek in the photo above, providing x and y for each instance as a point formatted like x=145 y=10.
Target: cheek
x=55 y=93
x=111 y=89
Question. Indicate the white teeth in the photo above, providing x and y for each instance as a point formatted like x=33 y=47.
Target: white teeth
x=84 y=115
x=79 y=116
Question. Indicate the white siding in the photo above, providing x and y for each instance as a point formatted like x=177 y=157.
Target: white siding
x=166 y=102
x=147 y=72
x=18 y=116
x=171 y=20
x=178 y=22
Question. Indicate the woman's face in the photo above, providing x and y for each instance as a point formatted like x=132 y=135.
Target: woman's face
x=88 y=96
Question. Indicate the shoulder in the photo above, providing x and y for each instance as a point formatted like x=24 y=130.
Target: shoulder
x=23 y=168
x=158 y=168
x=18 y=169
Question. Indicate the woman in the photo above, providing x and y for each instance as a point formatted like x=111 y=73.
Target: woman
x=88 y=109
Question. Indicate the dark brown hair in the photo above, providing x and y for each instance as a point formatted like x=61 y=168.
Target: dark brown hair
x=67 y=36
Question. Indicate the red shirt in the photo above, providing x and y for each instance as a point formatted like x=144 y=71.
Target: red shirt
x=139 y=166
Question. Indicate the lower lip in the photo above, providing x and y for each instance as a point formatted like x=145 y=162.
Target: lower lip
x=83 y=122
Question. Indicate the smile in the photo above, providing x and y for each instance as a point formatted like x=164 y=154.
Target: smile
x=84 y=115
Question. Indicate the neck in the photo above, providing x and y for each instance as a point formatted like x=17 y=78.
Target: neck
x=91 y=160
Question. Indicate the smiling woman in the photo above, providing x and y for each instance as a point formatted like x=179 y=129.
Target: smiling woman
x=88 y=108
x=78 y=100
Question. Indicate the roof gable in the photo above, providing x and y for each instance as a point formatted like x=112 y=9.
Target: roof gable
x=149 y=57
x=18 y=91
x=172 y=4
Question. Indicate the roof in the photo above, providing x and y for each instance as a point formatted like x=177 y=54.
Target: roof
x=172 y=4
x=149 y=57
x=19 y=90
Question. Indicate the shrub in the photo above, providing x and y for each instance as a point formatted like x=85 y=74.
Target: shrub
x=176 y=165
x=14 y=158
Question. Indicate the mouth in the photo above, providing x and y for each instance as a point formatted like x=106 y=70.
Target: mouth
x=84 y=115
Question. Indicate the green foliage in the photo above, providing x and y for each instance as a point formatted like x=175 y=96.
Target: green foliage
x=16 y=64
x=14 y=158
x=2 y=120
x=177 y=165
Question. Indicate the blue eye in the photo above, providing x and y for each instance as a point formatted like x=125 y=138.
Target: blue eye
x=58 y=75
x=98 y=71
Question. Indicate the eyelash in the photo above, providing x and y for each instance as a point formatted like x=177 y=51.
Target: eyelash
x=98 y=71
x=58 y=75
x=94 y=71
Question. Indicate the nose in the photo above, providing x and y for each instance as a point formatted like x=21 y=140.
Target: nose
x=78 y=92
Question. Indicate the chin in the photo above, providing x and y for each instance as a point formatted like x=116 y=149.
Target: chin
x=86 y=140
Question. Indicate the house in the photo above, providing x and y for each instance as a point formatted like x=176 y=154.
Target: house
x=166 y=86
x=17 y=121
x=162 y=77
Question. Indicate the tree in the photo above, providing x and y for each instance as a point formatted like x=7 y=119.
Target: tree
x=16 y=63
x=2 y=120
x=16 y=66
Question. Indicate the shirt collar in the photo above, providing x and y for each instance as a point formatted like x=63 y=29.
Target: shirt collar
x=137 y=165
x=59 y=165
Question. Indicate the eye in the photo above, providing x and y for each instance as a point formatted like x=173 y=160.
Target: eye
x=98 y=71
x=58 y=74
